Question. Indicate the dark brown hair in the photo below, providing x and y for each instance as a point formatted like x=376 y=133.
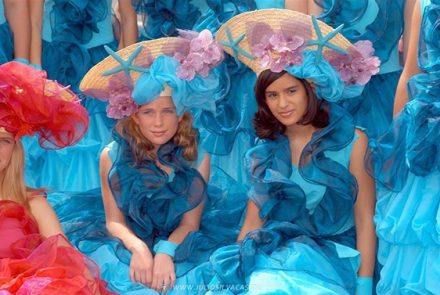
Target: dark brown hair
x=265 y=123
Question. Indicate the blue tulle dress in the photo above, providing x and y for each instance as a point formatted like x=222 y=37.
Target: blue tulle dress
x=6 y=43
x=307 y=245
x=74 y=35
x=162 y=18
x=153 y=203
x=407 y=167
x=381 y=22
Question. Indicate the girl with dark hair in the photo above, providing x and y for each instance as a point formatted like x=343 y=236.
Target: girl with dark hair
x=309 y=222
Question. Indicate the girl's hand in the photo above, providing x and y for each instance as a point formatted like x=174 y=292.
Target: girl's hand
x=141 y=265
x=164 y=276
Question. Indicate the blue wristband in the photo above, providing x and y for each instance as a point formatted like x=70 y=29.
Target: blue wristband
x=22 y=60
x=36 y=66
x=364 y=286
x=165 y=247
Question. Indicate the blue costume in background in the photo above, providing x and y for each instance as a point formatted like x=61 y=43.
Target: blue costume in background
x=6 y=42
x=74 y=34
x=381 y=22
x=407 y=167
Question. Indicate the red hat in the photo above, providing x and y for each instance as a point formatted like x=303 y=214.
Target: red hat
x=30 y=103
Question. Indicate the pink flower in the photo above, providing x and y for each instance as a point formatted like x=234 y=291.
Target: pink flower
x=276 y=51
x=358 y=65
x=203 y=55
x=281 y=44
x=120 y=103
x=186 y=72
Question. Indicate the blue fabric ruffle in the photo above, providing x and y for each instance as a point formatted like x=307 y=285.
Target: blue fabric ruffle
x=6 y=43
x=329 y=85
x=373 y=109
x=429 y=42
x=407 y=171
x=147 y=197
x=280 y=199
x=162 y=18
x=187 y=95
x=384 y=27
x=293 y=235
x=77 y=20
x=69 y=27
x=153 y=204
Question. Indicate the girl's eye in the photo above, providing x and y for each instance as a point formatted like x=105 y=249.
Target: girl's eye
x=6 y=141
x=147 y=112
x=169 y=111
x=271 y=95
x=291 y=91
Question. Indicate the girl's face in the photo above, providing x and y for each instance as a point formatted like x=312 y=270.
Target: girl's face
x=158 y=120
x=287 y=100
x=7 y=144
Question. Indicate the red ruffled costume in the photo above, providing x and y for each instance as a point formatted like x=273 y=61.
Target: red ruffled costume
x=32 y=104
x=32 y=264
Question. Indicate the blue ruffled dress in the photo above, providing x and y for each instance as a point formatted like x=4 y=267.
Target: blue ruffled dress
x=162 y=18
x=74 y=35
x=307 y=245
x=407 y=167
x=6 y=42
x=381 y=22
x=153 y=203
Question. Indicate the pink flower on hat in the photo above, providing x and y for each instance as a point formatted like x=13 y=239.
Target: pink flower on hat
x=120 y=102
x=203 y=55
x=358 y=66
x=278 y=51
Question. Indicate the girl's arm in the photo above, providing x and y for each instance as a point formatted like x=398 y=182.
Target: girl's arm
x=252 y=220
x=163 y=272
x=48 y=223
x=129 y=30
x=17 y=15
x=141 y=261
x=313 y=8
x=297 y=5
x=36 y=16
x=411 y=67
x=364 y=208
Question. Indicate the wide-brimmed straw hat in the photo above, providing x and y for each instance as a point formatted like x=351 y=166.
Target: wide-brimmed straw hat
x=177 y=66
x=281 y=39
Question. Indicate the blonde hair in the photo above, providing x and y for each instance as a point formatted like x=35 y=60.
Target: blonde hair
x=12 y=185
x=141 y=147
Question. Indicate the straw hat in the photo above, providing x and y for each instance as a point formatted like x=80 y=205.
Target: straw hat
x=179 y=67
x=277 y=19
x=143 y=54
x=282 y=39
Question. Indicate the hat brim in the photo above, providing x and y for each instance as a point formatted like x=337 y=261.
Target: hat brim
x=276 y=19
x=94 y=78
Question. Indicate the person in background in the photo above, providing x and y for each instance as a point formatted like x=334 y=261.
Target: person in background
x=35 y=256
x=406 y=167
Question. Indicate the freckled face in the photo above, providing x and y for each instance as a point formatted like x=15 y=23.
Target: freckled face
x=158 y=120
